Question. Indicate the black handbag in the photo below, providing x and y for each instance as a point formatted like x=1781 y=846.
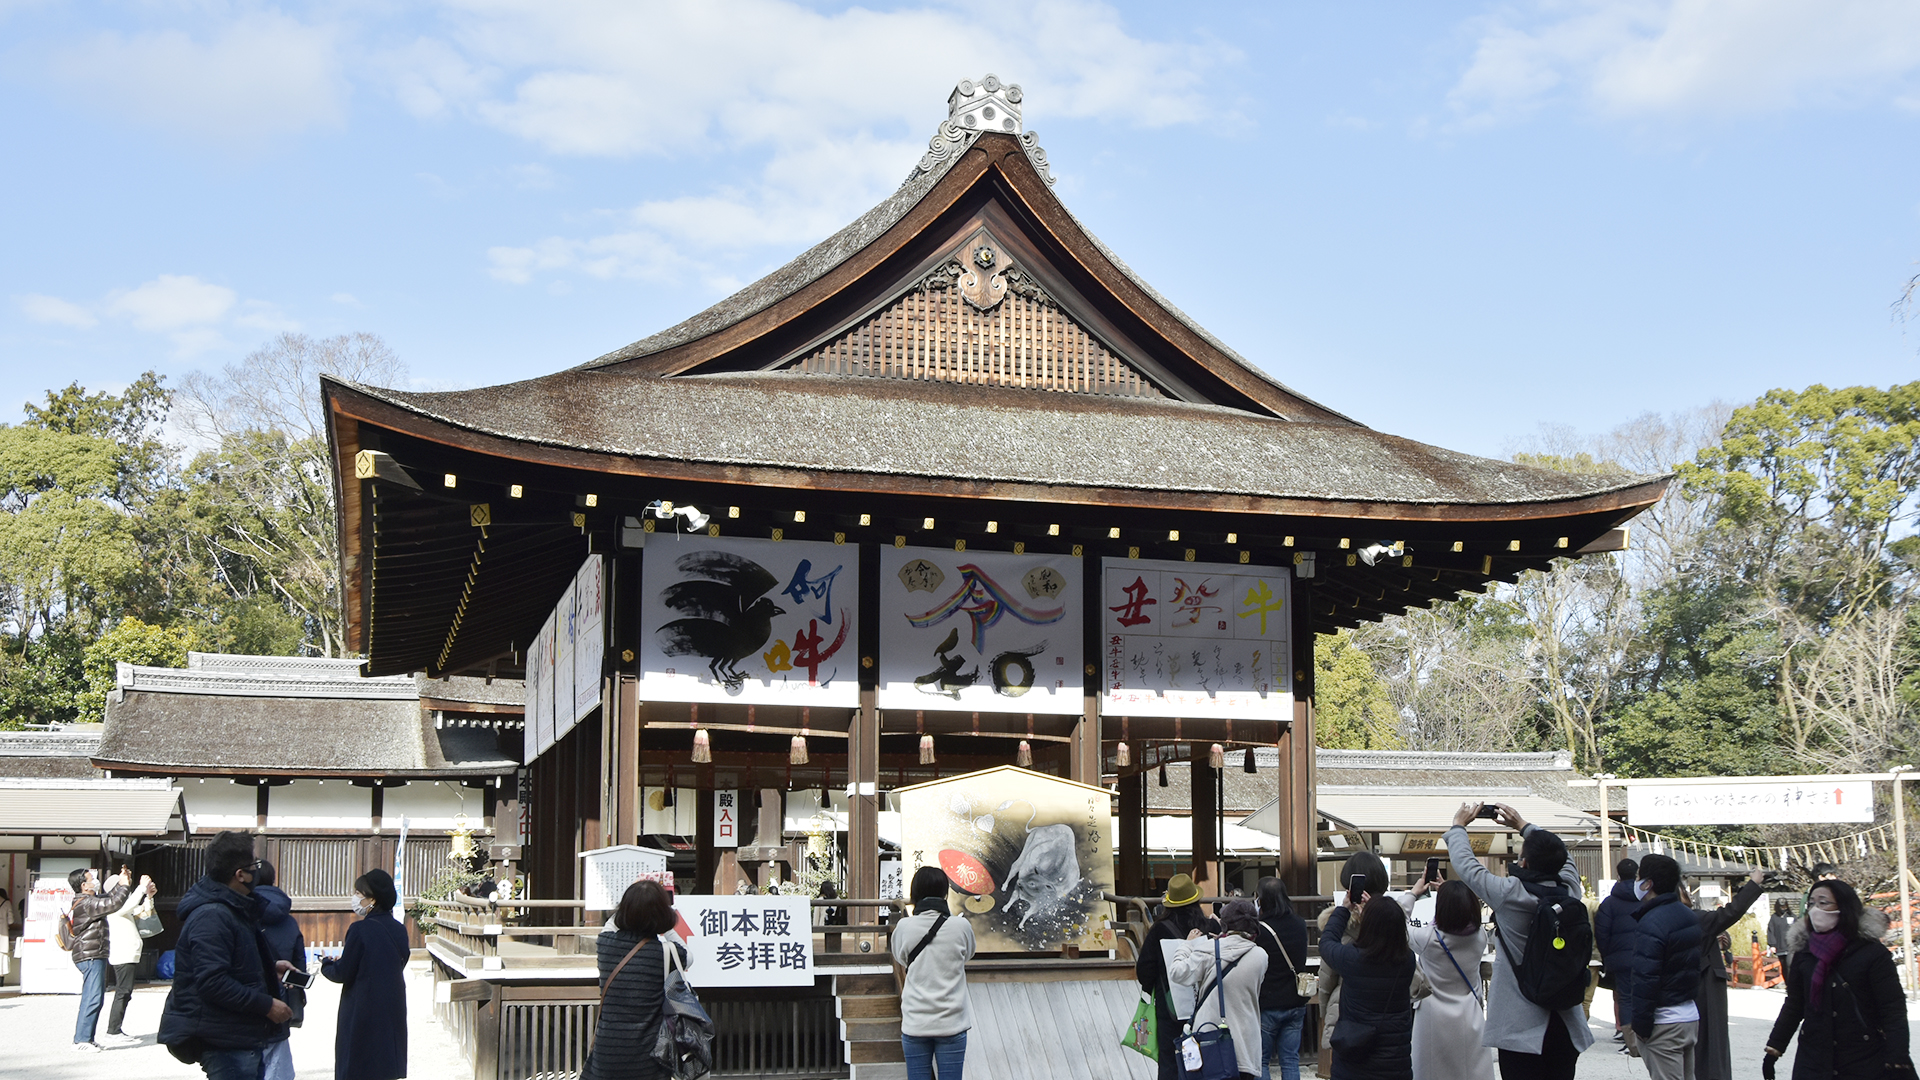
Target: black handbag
x=1352 y=1039
x=684 y=1046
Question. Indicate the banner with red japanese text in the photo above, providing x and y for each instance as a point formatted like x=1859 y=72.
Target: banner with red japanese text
x=589 y=637
x=1196 y=639
x=969 y=631
x=760 y=622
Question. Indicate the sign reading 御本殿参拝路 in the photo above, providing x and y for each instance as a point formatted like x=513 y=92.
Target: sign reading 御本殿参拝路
x=747 y=940
x=1760 y=802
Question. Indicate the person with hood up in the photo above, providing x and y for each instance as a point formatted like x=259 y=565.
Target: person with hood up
x=224 y=1009
x=1234 y=995
x=370 y=1037
x=1667 y=962
x=124 y=946
x=286 y=942
x=1613 y=928
x=936 y=1011
x=1843 y=997
x=1714 y=1053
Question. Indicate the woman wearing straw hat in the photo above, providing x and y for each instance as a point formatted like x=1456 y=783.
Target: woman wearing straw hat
x=1179 y=916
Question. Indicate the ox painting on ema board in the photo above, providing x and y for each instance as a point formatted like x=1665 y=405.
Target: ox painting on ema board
x=1029 y=855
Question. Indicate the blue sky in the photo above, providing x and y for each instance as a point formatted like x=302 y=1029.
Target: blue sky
x=1454 y=222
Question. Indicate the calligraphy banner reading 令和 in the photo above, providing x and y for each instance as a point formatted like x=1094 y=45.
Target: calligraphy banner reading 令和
x=748 y=940
x=754 y=621
x=1778 y=802
x=973 y=631
x=1196 y=639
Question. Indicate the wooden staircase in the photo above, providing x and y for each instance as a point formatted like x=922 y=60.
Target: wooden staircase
x=869 y=1009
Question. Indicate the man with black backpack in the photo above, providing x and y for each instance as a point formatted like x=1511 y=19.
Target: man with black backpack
x=1544 y=942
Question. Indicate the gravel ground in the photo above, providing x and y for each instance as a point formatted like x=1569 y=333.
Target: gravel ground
x=36 y=1037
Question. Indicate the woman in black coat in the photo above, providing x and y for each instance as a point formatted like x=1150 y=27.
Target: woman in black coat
x=1180 y=915
x=1373 y=1039
x=370 y=1038
x=631 y=997
x=1844 y=997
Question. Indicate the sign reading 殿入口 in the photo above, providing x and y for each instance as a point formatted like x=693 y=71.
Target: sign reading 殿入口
x=726 y=818
x=1759 y=802
x=748 y=940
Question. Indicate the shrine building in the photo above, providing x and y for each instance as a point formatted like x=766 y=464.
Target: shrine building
x=954 y=489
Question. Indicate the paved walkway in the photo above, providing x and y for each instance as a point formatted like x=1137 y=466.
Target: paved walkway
x=36 y=1038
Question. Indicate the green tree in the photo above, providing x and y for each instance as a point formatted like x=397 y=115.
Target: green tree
x=1353 y=709
x=129 y=642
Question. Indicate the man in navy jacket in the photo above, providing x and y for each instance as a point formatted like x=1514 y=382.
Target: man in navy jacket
x=1666 y=973
x=225 y=1006
x=1613 y=928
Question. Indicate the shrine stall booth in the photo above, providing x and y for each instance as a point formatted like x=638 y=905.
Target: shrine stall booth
x=952 y=491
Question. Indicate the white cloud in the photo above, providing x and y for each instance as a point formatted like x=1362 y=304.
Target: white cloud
x=257 y=76
x=189 y=312
x=837 y=105
x=1675 y=57
x=52 y=309
x=171 y=302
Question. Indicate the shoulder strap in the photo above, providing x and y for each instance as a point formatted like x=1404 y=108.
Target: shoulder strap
x=1473 y=987
x=1284 y=955
x=925 y=941
x=623 y=963
x=1218 y=979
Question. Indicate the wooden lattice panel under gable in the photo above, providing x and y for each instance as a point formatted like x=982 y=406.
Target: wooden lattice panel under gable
x=934 y=333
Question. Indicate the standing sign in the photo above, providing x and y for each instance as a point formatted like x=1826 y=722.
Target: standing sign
x=1761 y=802
x=969 y=631
x=606 y=872
x=748 y=940
x=1196 y=639
x=45 y=967
x=589 y=637
x=761 y=622
x=726 y=818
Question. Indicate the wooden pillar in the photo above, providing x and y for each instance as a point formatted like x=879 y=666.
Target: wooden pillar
x=1299 y=841
x=1086 y=759
x=625 y=771
x=1206 y=817
x=863 y=808
x=1131 y=877
x=1084 y=764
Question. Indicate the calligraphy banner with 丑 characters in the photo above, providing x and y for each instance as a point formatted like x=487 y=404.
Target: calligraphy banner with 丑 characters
x=754 y=621
x=1030 y=856
x=748 y=940
x=1761 y=802
x=967 y=631
x=1196 y=639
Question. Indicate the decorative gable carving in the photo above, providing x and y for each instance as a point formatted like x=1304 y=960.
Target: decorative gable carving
x=979 y=318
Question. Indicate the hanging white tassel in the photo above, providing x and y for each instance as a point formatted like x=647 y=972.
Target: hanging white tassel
x=1123 y=757
x=926 y=749
x=1024 y=758
x=1217 y=756
x=702 y=746
x=798 y=755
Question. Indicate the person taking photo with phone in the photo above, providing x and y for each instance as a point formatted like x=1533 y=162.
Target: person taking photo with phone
x=124 y=946
x=1449 y=1022
x=1373 y=1039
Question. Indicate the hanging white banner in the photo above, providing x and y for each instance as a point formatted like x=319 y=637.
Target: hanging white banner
x=754 y=621
x=1196 y=639
x=969 y=631
x=1758 y=803
x=589 y=636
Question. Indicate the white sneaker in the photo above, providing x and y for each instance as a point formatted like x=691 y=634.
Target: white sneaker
x=118 y=1039
x=87 y=1047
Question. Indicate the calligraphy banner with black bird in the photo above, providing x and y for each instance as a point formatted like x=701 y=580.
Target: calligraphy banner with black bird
x=752 y=621
x=980 y=630
x=1196 y=639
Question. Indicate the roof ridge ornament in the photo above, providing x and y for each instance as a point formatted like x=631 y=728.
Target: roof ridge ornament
x=976 y=107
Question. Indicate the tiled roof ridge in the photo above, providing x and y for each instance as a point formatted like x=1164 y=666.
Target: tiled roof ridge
x=134 y=677
x=1459 y=760
x=49 y=743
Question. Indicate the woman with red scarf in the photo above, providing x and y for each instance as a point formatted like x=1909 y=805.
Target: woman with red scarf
x=1844 y=996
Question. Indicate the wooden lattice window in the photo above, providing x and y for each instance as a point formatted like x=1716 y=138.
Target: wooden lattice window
x=1024 y=340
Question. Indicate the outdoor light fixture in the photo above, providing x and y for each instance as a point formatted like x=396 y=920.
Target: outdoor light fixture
x=694 y=516
x=1373 y=553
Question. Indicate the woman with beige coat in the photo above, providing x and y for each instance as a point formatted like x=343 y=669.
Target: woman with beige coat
x=1237 y=995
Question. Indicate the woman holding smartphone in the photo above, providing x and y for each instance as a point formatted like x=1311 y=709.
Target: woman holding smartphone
x=1448 y=1023
x=1373 y=1039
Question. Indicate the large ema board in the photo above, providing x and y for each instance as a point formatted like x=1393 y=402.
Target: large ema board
x=734 y=620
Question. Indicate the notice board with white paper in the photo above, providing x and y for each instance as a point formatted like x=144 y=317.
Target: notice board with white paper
x=1756 y=802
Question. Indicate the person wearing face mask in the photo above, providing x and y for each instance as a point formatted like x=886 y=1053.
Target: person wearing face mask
x=224 y=1009
x=370 y=1037
x=1843 y=997
x=1666 y=973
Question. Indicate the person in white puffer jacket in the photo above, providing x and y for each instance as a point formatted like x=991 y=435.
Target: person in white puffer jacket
x=124 y=947
x=1235 y=997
